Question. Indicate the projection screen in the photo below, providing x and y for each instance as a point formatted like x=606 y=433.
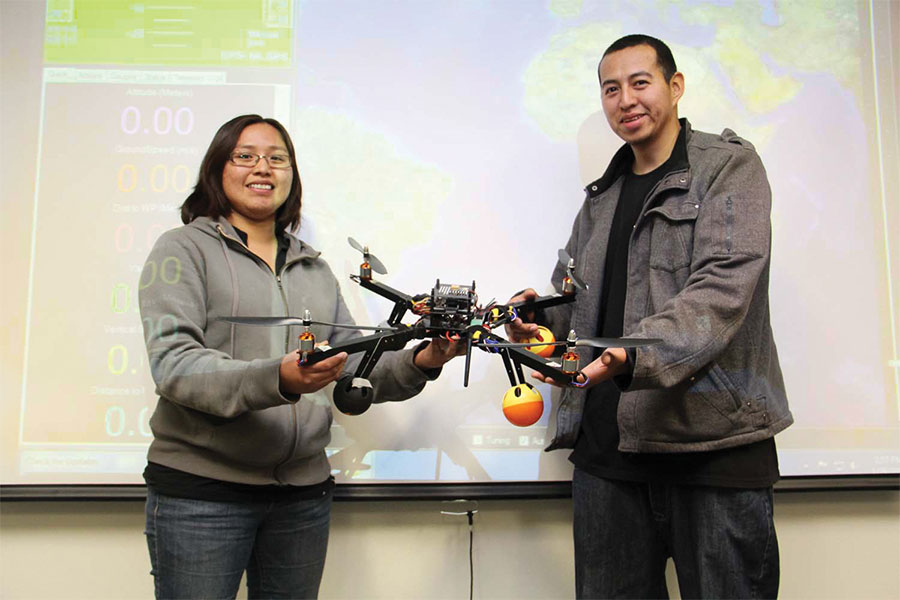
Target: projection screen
x=455 y=139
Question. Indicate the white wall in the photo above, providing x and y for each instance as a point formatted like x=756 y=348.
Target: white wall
x=842 y=544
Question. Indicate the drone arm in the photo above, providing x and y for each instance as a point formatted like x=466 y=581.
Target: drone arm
x=400 y=309
x=392 y=340
x=382 y=289
x=402 y=301
x=520 y=357
x=513 y=358
x=542 y=302
x=507 y=363
x=560 y=305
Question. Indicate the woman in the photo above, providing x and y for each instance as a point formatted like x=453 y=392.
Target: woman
x=237 y=475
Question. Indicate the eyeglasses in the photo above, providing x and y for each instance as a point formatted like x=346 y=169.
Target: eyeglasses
x=247 y=159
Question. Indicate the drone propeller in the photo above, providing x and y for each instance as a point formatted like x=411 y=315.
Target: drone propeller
x=285 y=321
x=597 y=342
x=376 y=264
x=607 y=342
x=567 y=260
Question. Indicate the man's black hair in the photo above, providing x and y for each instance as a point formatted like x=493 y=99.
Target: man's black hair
x=664 y=57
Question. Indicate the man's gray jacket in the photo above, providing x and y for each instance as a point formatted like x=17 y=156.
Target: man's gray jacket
x=698 y=278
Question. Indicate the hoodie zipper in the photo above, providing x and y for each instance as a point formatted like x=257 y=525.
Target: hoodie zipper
x=284 y=299
x=294 y=423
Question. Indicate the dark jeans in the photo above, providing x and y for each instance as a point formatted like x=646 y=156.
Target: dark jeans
x=200 y=549
x=722 y=540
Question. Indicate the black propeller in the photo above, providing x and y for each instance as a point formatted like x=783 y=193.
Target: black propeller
x=285 y=321
x=597 y=342
x=376 y=264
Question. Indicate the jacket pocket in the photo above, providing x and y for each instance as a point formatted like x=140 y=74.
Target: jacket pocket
x=672 y=234
x=722 y=393
x=703 y=408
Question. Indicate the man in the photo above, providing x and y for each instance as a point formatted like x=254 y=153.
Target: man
x=673 y=443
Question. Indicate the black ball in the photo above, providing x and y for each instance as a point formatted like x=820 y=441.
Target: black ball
x=351 y=399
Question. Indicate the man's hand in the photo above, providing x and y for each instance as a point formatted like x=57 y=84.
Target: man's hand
x=438 y=352
x=521 y=329
x=305 y=379
x=611 y=363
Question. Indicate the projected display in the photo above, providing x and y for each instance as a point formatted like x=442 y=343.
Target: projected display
x=454 y=139
x=108 y=186
x=181 y=32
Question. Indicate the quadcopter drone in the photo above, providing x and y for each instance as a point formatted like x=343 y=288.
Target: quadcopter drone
x=452 y=312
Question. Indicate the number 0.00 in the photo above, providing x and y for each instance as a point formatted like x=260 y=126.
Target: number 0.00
x=165 y=120
x=161 y=178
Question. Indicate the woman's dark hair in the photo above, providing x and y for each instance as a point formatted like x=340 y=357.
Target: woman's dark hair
x=208 y=198
x=664 y=57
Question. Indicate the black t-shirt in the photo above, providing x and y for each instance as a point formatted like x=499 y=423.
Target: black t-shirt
x=179 y=484
x=596 y=449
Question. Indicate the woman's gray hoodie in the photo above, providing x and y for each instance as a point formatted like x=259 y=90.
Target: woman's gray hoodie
x=220 y=412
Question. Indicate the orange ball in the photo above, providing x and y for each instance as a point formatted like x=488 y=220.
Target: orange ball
x=543 y=335
x=523 y=405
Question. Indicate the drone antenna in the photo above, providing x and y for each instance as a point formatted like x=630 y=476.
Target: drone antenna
x=468 y=360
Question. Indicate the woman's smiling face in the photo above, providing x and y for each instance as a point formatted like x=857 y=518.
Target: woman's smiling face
x=256 y=193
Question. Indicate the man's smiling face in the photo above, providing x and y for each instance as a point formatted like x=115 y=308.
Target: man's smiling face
x=639 y=104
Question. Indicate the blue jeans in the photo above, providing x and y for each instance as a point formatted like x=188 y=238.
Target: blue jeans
x=200 y=549
x=722 y=540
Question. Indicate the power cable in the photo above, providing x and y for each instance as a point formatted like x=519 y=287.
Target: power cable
x=468 y=508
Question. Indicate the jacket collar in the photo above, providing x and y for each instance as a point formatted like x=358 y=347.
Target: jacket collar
x=297 y=250
x=624 y=157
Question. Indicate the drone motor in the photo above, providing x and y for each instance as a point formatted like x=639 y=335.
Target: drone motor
x=570 y=281
x=570 y=359
x=365 y=270
x=307 y=339
x=370 y=262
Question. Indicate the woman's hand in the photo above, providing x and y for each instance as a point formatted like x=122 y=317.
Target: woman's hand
x=305 y=379
x=438 y=352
